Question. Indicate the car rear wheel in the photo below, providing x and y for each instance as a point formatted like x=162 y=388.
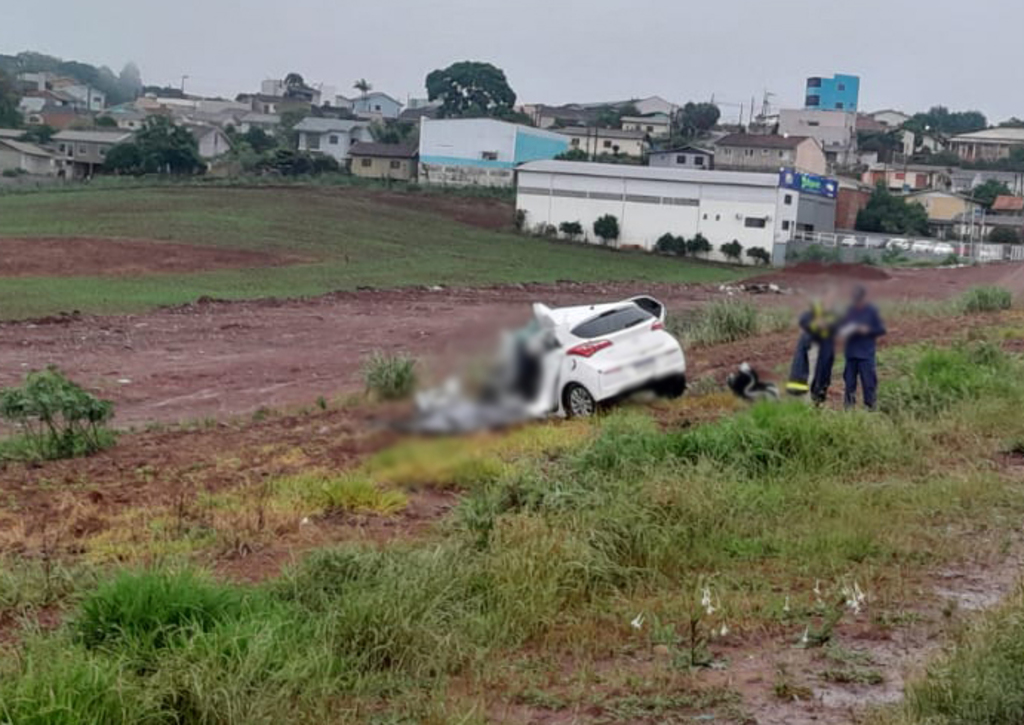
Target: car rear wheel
x=578 y=402
x=671 y=388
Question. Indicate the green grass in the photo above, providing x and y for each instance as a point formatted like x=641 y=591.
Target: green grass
x=350 y=241
x=731 y=320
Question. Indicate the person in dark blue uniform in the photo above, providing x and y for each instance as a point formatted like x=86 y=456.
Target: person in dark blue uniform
x=818 y=327
x=862 y=327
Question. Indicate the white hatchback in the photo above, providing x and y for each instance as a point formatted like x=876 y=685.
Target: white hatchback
x=606 y=351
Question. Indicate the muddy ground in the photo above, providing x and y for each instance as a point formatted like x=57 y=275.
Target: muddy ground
x=216 y=359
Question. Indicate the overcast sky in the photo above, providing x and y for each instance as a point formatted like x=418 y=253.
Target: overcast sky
x=909 y=55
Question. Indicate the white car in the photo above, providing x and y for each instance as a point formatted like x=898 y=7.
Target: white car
x=897 y=243
x=923 y=247
x=850 y=242
x=943 y=248
x=597 y=353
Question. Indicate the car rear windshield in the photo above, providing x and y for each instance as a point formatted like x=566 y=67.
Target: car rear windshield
x=612 y=321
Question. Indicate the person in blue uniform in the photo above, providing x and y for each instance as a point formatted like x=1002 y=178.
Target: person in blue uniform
x=862 y=327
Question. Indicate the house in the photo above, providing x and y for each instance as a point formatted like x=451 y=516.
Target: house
x=79 y=153
x=643 y=106
x=212 y=141
x=684 y=157
x=754 y=152
x=127 y=116
x=964 y=180
x=657 y=124
x=992 y=144
x=14 y=133
x=413 y=115
x=481 y=151
x=756 y=209
x=907 y=177
x=383 y=161
x=946 y=210
x=89 y=98
x=26 y=157
x=331 y=136
x=376 y=105
x=598 y=142
x=835 y=132
x=544 y=116
x=1008 y=206
x=267 y=122
x=890 y=118
x=839 y=93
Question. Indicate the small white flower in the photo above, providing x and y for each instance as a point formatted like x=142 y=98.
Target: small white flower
x=638 y=621
x=785 y=607
x=723 y=631
x=705 y=601
x=854 y=597
x=817 y=590
x=305 y=520
x=806 y=637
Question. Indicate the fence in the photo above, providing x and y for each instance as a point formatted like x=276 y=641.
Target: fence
x=856 y=246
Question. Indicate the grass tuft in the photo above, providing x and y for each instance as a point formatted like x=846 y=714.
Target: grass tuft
x=390 y=377
x=985 y=299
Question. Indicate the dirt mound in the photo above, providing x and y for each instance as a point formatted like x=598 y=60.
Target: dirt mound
x=849 y=271
x=107 y=257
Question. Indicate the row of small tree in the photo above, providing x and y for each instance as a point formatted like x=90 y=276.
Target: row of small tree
x=679 y=246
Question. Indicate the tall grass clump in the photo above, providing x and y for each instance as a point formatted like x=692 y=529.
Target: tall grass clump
x=724 y=321
x=988 y=298
x=348 y=492
x=390 y=377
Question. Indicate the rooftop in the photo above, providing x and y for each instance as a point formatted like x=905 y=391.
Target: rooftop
x=1008 y=203
x=383 y=150
x=11 y=132
x=993 y=135
x=111 y=137
x=758 y=141
x=326 y=125
x=600 y=132
x=651 y=173
x=680 y=149
x=29 y=149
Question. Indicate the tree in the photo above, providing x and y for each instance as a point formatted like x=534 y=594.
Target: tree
x=607 y=228
x=760 y=255
x=573 y=155
x=884 y=143
x=892 y=214
x=10 y=116
x=695 y=119
x=941 y=120
x=106 y=122
x=668 y=243
x=363 y=86
x=393 y=131
x=293 y=81
x=39 y=134
x=470 y=89
x=158 y=147
x=986 y=193
x=130 y=80
x=1004 y=235
x=259 y=140
x=573 y=230
x=732 y=250
x=1013 y=122
x=698 y=245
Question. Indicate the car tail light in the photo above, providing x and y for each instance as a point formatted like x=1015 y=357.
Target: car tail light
x=659 y=325
x=588 y=349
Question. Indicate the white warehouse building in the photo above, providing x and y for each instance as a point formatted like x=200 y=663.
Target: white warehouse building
x=755 y=209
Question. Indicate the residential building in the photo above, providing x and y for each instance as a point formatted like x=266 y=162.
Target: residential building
x=907 y=177
x=598 y=142
x=376 y=105
x=14 y=133
x=27 y=157
x=657 y=124
x=268 y=122
x=212 y=141
x=992 y=144
x=946 y=210
x=890 y=118
x=79 y=153
x=544 y=116
x=839 y=93
x=643 y=106
x=127 y=116
x=683 y=157
x=755 y=209
x=413 y=115
x=383 y=161
x=1008 y=206
x=835 y=132
x=754 y=152
x=964 y=180
x=89 y=98
x=331 y=136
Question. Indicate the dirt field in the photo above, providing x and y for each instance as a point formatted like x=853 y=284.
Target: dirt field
x=218 y=359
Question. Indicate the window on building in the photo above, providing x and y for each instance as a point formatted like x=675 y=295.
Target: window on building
x=681 y=159
x=782 y=154
x=82 y=150
x=332 y=139
x=650 y=129
x=103 y=151
x=607 y=144
x=753 y=222
x=718 y=217
x=813 y=123
x=312 y=141
x=839 y=105
x=489 y=155
x=785 y=225
x=698 y=160
x=727 y=152
x=812 y=101
x=575 y=143
x=396 y=164
x=749 y=152
x=61 y=148
x=788 y=200
x=705 y=217
x=376 y=107
x=764 y=152
x=900 y=176
x=366 y=162
x=814 y=82
x=841 y=86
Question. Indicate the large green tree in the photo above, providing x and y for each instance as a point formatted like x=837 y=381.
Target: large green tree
x=10 y=117
x=695 y=119
x=940 y=119
x=986 y=193
x=471 y=89
x=159 y=147
x=890 y=214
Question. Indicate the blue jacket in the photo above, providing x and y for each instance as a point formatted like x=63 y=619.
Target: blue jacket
x=861 y=346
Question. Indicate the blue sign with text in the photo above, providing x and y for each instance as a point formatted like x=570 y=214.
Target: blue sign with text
x=808 y=183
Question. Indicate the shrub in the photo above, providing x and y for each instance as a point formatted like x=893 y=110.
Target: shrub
x=519 y=220
x=732 y=250
x=390 y=377
x=985 y=299
x=573 y=230
x=815 y=253
x=698 y=245
x=670 y=244
x=607 y=228
x=724 y=321
x=759 y=254
x=59 y=418
x=1004 y=235
x=12 y=173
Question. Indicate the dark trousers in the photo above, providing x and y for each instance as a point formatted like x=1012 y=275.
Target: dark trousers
x=864 y=369
x=800 y=371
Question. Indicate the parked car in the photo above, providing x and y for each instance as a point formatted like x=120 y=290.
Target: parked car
x=602 y=352
x=898 y=243
x=874 y=242
x=923 y=247
x=943 y=249
x=851 y=242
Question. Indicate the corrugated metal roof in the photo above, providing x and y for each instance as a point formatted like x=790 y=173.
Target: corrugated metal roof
x=326 y=125
x=1008 y=203
x=993 y=135
x=651 y=173
x=757 y=141
x=29 y=149
x=111 y=137
x=383 y=150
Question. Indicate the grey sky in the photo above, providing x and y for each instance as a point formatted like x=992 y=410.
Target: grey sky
x=909 y=54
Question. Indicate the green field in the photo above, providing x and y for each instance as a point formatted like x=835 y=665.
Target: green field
x=353 y=239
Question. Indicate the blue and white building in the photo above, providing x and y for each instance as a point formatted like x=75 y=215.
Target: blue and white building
x=481 y=151
x=839 y=93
